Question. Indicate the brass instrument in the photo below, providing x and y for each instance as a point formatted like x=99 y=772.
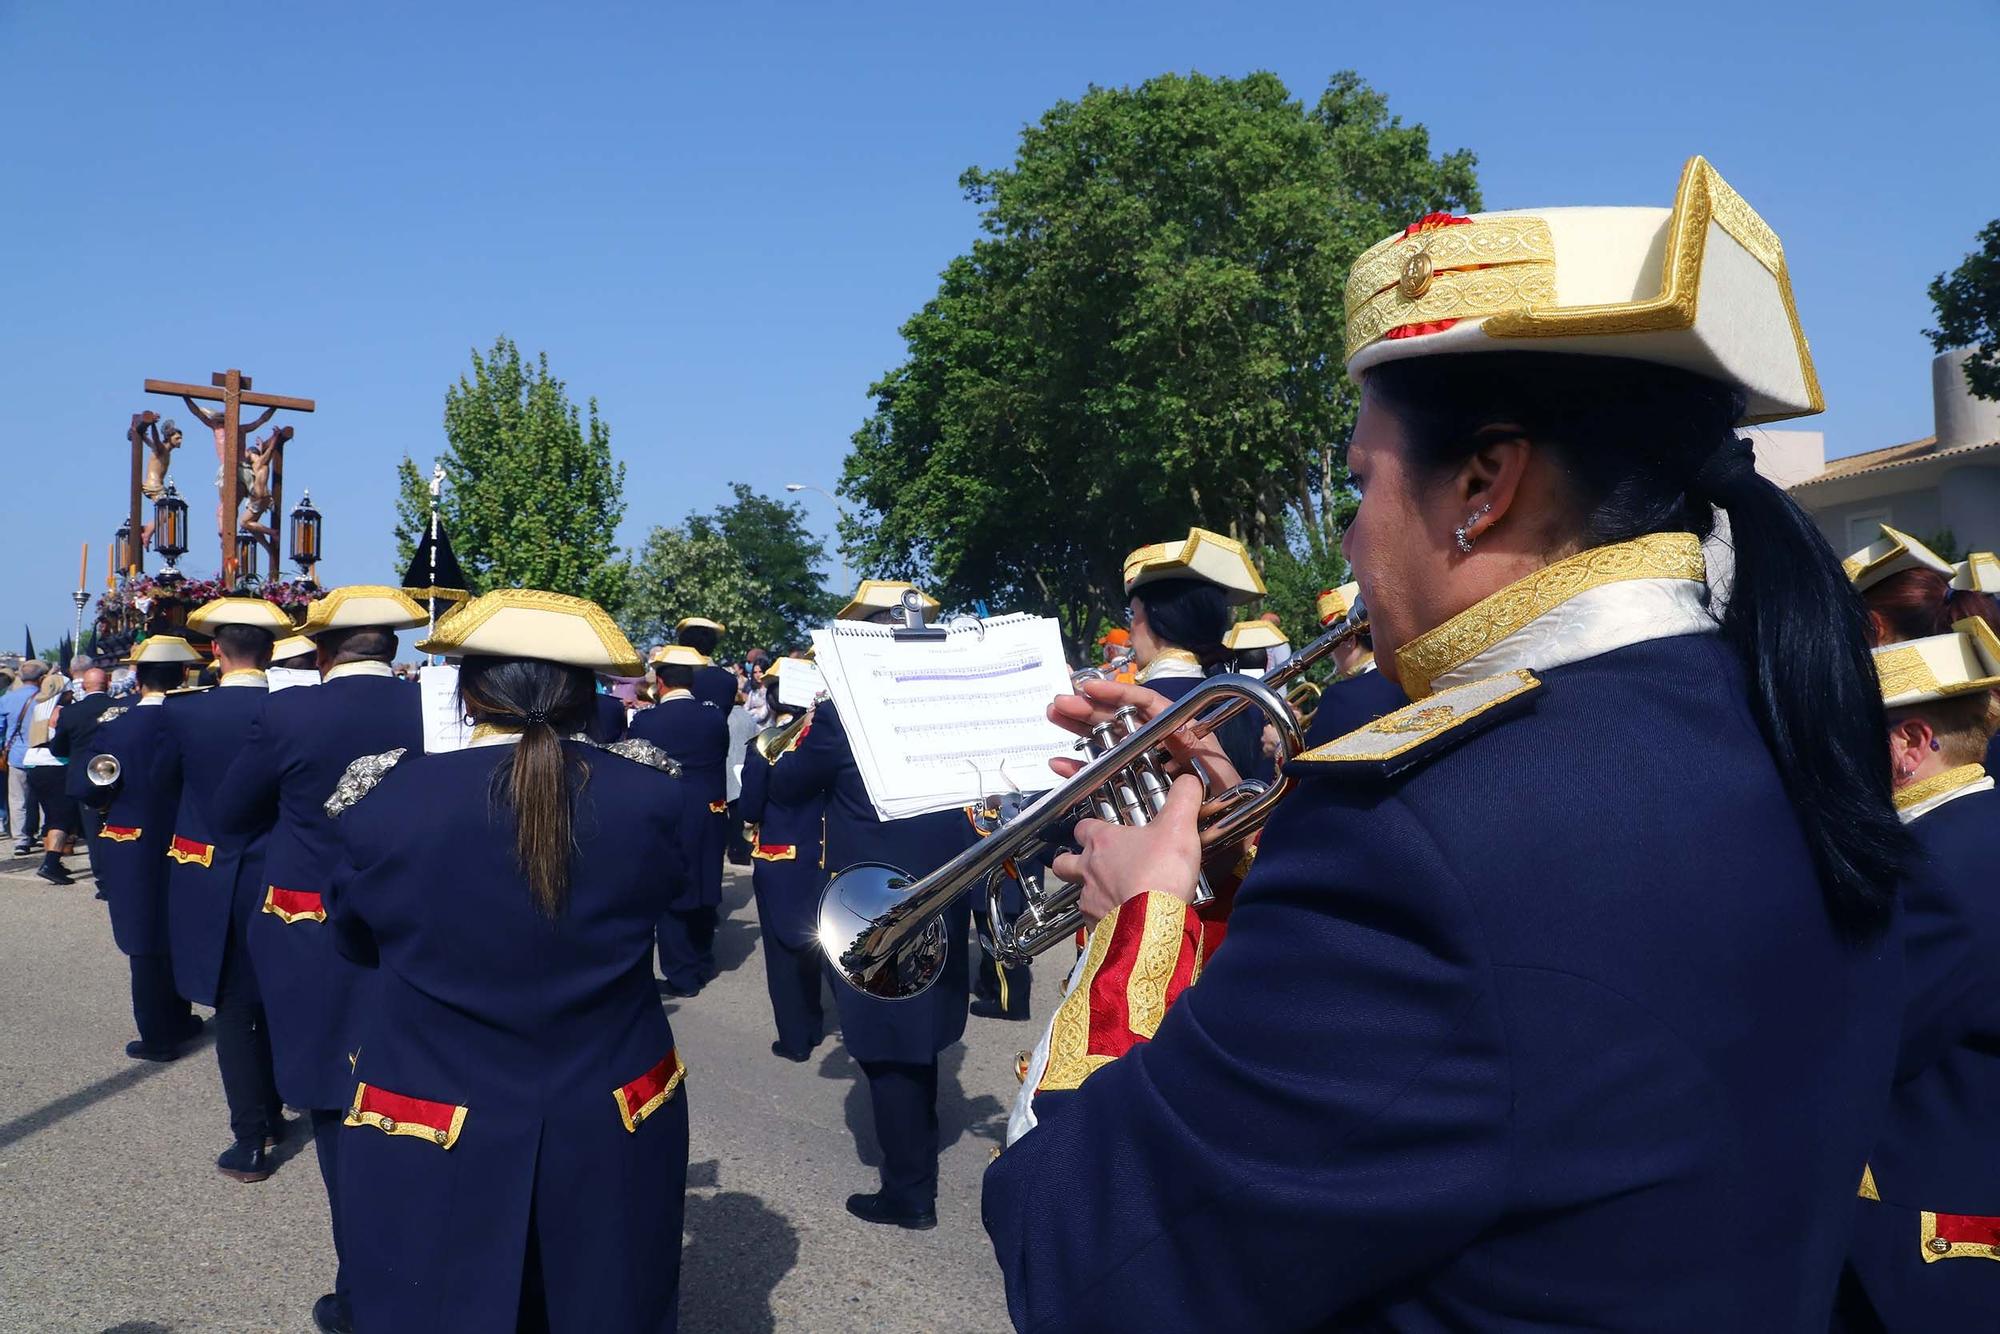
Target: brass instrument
x=774 y=740
x=884 y=931
x=103 y=770
x=1304 y=700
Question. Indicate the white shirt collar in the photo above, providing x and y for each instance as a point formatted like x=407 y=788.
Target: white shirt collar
x=678 y=692
x=1595 y=621
x=496 y=737
x=150 y=701
x=247 y=678
x=1908 y=814
x=1171 y=663
x=359 y=669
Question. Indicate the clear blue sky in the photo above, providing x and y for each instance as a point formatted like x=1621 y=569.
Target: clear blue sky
x=714 y=217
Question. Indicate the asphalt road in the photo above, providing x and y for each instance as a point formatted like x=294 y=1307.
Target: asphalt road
x=113 y=1218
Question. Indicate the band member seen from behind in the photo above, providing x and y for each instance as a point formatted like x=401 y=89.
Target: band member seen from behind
x=516 y=1138
x=1181 y=600
x=711 y=684
x=695 y=732
x=216 y=886
x=277 y=788
x=1924 y=1238
x=896 y=1042
x=132 y=859
x=1534 y=982
x=788 y=870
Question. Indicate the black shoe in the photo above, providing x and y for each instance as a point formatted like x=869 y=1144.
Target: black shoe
x=678 y=992
x=873 y=1209
x=23 y=850
x=141 y=1050
x=330 y=1315
x=54 y=874
x=780 y=1049
x=245 y=1160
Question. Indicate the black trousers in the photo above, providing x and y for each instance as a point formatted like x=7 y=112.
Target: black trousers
x=904 y=1095
x=160 y=1012
x=243 y=1048
x=686 y=940
x=326 y=1143
x=793 y=979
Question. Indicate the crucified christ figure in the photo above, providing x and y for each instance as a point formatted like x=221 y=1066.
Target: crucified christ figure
x=215 y=422
x=256 y=481
x=160 y=439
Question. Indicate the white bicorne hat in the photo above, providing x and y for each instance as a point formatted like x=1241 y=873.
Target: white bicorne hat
x=1892 y=553
x=1209 y=557
x=163 y=648
x=678 y=655
x=698 y=623
x=880 y=595
x=1701 y=286
x=292 y=646
x=374 y=606
x=1979 y=572
x=1918 y=671
x=1246 y=635
x=254 y=612
x=531 y=623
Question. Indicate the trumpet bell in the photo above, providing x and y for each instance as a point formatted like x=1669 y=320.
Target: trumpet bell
x=103 y=770
x=852 y=911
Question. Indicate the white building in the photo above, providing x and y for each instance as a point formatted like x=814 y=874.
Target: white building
x=1947 y=482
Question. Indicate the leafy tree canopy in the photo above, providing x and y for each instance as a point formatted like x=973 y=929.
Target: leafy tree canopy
x=751 y=564
x=534 y=497
x=1968 y=312
x=1149 y=335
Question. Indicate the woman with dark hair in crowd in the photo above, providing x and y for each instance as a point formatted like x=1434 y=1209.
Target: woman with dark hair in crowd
x=518 y=1134
x=1566 y=995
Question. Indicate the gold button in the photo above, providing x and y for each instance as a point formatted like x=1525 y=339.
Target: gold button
x=1417 y=276
x=1940 y=1246
x=389 y=1124
x=439 y=1136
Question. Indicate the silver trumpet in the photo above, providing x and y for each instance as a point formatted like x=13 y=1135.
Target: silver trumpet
x=103 y=770
x=884 y=930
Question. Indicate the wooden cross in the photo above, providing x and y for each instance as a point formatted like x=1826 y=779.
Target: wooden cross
x=231 y=388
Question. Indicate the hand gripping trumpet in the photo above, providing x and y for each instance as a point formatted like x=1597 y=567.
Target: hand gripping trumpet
x=884 y=930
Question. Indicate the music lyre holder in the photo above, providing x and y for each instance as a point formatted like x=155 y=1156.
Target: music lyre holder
x=913 y=627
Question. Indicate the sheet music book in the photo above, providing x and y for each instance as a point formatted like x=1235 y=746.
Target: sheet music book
x=445 y=726
x=800 y=683
x=939 y=725
x=284 y=678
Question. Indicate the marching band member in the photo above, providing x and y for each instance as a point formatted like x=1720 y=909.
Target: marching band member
x=788 y=870
x=216 y=886
x=1358 y=693
x=1180 y=595
x=1979 y=573
x=695 y=732
x=295 y=652
x=1251 y=643
x=1931 y=1191
x=1545 y=990
x=276 y=788
x=711 y=684
x=896 y=1042
x=132 y=856
x=516 y=1146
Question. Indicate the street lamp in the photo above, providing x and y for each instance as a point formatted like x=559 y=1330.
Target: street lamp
x=795 y=488
x=305 y=534
x=121 y=543
x=170 y=517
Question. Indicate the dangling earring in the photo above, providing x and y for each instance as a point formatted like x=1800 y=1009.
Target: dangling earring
x=1464 y=542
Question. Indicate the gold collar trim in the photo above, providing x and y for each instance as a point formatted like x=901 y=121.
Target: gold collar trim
x=247 y=676
x=347 y=669
x=1171 y=662
x=1938 y=784
x=1492 y=619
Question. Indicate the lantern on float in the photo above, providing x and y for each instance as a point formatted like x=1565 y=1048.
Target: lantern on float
x=170 y=520
x=305 y=535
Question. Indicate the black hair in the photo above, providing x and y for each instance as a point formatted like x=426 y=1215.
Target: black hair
x=699 y=638
x=1649 y=449
x=364 y=643
x=1253 y=659
x=674 y=675
x=246 y=643
x=1190 y=614
x=160 y=675
x=545 y=701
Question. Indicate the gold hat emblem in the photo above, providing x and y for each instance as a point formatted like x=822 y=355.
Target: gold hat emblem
x=1417 y=275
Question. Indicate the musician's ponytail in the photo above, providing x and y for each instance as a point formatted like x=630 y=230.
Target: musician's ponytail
x=544 y=702
x=1188 y=614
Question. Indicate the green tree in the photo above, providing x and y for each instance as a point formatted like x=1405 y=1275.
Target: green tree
x=1968 y=312
x=1149 y=335
x=751 y=564
x=533 y=496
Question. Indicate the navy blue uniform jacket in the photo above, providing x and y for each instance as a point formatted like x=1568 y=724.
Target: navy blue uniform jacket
x=1551 y=1031
x=821 y=768
x=131 y=852
x=217 y=880
x=715 y=685
x=528 y=1043
x=1354 y=702
x=607 y=720
x=1937 y=1154
x=697 y=735
x=297 y=750
x=786 y=871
